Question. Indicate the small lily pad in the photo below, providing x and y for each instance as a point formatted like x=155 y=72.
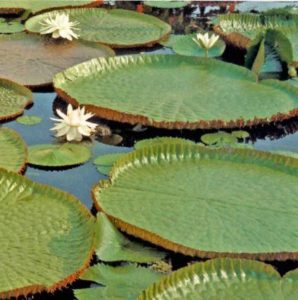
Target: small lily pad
x=13 y=150
x=161 y=140
x=240 y=134
x=124 y=282
x=105 y=162
x=219 y=138
x=112 y=245
x=171 y=40
x=11 y=26
x=29 y=120
x=47 y=155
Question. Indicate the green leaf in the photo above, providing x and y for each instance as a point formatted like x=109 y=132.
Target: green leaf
x=240 y=134
x=231 y=279
x=167 y=3
x=124 y=282
x=161 y=140
x=13 y=150
x=11 y=26
x=37 y=59
x=207 y=93
x=7 y=6
x=171 y=40
x=47 y=237
x=255 y=57
x=14 y=98
x=220 y=138
x=205 y=202
x=114 y=246
x=29 y=120
x=61 y=155
x=186 y=46
x=285 y=153
x=105 y=162
x=115 y=27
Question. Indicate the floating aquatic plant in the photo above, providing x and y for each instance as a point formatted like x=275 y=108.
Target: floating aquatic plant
x=29 y=120
x=205 y=41
x=74 y=125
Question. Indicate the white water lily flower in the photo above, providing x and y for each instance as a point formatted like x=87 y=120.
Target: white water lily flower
x=204 y=41
x=60 y=26
x=74 y=124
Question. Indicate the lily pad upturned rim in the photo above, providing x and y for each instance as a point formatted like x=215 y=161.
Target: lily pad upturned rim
x=22 y=143
x=280 y=162
x=34 y=289
x=23 y=90
x=105 y=64
x=164 y=28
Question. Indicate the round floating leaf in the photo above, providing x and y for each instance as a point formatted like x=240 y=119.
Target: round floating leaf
x=13 y=150
x=219 y=138
x=67 y=154
x=231 y=279
x=47 y=237
x=171 y=40
x=167 y=3
x=187 y=46
x=10 y=27
x=207 y=93
x=15 y=6
x=114 y=246
x=13 y=98
x=161 y=140
x=33 y=60
x=206 y=202
x=240 y=134
x=29 y=120
x=105 y=162
x=124 y=282
x=115 y=27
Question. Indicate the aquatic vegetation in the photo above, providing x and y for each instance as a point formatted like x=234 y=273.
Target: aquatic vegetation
x=224 y=279
x=116 y=27
x=123 y=282
x=200 y=97
x=14 y=98
x=47 y=234
x=167 y=3
x=13 y=150
x=205 y=41
x=10 y=26
x=161 y=140
x=59 y=155
x=18 y=53
x=224 y=193
x=111 y=245
x=29 y=120
x=105 y=162
x=74 y=125
x=60 y=27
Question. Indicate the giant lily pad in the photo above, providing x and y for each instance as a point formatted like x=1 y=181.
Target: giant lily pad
x=231 y=279
x=206 y=94
x=116 y=27
x=33 y=60
x=13 y=150
x=47 y=155
x=206 y=202
x=16 y=6
x=14 y=98
x=47 y=237
x=124 y=282
x=167 y=3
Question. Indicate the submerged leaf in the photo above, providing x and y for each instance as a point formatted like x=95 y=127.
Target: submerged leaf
x=47 y=155
x=205 y=202
x=114 y=246
x=105 y=162
x=29 y=120
x=231 y=279
x=47 y=237
x=124 y=282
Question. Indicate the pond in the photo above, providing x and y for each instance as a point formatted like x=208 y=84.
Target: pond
x=156 y=192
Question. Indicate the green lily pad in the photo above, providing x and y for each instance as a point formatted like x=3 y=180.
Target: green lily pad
x=205 y=202
x=61 y=155
x=187 y=46
x=231 y=279
x=13 y=150
x=124 y=282
x=115 y=27
x=14 y=98
x=11 y=26
x=167 y=3
x=171 y=40
x=15 y=6
x=33 y=60
x=114 y=246
x=29 y=120
x=47 y=237
x=161 y=140
x=219 y=138
x=105 y=162
x=285 y=153
x=207 y=93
